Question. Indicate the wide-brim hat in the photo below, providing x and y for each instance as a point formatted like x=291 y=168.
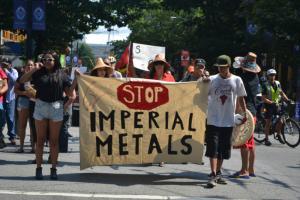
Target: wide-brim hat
x=159 y=58
x=100 y=64
x=249 y=63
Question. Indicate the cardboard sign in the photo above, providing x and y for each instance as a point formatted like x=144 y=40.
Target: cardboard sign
x=142 y=54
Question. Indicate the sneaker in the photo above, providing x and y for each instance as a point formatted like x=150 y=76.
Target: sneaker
x=220 y=180
x=161 y=164
x=212 y=182
x=218 y=173
x=268 y=143
x=279 y=138
x=53 y=173
x=39 y=173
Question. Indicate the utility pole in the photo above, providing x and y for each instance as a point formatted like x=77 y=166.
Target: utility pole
x=29 y=53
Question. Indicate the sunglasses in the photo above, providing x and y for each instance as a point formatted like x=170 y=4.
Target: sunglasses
x=47 y=59
x=200 y=66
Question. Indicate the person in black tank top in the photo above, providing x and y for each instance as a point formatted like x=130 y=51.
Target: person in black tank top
x=50 y=82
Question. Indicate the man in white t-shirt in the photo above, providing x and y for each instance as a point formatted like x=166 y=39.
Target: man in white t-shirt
x=225 y=89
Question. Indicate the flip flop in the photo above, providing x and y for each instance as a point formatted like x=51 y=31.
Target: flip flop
x=252 y=175
x=237 y=175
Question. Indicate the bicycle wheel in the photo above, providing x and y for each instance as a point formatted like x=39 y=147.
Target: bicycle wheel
x=259 y=134
x=291 y=132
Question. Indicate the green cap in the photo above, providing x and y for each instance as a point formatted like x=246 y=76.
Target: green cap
x=223 y=61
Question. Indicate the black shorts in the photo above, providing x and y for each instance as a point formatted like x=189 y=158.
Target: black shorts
x=218 y=142
x=270 y=111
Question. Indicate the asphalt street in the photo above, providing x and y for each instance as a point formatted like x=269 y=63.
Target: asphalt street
x=277 y=170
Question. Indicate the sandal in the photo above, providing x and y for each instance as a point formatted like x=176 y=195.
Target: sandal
x=252 y=175
x=238 y=175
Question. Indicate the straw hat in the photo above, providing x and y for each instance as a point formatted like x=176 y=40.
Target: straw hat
x=100 y=64
x=159 y=58
x=248 y=63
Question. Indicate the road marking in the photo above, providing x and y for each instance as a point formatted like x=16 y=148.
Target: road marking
x=104 y=196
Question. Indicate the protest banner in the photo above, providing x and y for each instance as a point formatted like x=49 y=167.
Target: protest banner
x=140 y=121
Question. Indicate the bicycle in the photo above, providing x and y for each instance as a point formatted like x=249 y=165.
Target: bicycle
x=290 y=129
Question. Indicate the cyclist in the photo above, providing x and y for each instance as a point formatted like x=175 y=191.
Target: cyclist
x=271 y=96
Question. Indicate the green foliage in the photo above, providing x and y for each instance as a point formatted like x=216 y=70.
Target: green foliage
x=118 y=47
x=87 y=56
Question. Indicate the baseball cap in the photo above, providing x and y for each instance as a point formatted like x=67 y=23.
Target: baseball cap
x=223 y=61
x=5 y=61
x=200 y=61
x=271 y=71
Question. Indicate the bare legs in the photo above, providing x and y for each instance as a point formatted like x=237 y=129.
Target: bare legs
x=22 y=123
x=54 y=130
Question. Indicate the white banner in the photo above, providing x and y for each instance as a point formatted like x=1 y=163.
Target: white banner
x=142 y=53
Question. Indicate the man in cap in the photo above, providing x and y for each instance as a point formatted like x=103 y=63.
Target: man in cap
x=271 y=96
x=248 y=72
x=9 y=102
x=225 y=89
x=112 y=62
x=197 y=72
x=3 y=89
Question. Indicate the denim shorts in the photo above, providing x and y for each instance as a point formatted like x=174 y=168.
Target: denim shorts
x=44 y=110
x=23 y=103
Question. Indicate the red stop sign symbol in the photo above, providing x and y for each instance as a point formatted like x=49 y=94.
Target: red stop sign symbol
x=142 y=95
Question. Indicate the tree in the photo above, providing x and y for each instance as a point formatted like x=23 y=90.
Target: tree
x=67 y=21
x=87 y=56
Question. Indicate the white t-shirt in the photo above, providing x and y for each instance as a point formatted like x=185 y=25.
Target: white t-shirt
x=222 y=98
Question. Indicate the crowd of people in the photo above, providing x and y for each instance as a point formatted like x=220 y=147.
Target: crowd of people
x=42 y=93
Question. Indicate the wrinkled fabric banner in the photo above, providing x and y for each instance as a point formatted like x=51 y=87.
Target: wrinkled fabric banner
x=138 y=121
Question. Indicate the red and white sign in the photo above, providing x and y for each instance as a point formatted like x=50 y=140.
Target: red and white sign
x=142 y=95
x=185 y=58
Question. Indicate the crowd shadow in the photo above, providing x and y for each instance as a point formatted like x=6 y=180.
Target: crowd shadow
x=14 y=162
x=195 y=179
x=265 y=176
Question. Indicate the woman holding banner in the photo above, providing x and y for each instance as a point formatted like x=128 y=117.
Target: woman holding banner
x=160 y=69
x=102 y=70
x=50 y=83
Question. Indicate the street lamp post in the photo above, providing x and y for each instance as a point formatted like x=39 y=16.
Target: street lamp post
x=29 y=53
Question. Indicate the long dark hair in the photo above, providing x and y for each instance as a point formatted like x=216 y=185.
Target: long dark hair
x=57 y=64
x=153 y=70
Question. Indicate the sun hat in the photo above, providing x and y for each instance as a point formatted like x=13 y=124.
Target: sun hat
x=249 y=63
x=100 y=64
x=223 y=61
x=159 y=58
